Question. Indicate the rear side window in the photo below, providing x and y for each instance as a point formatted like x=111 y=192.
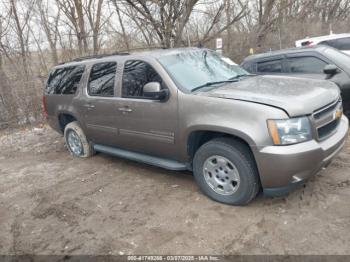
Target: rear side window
x=309 y=64
x=64 y=80
x=102 y=78
x=274 y=66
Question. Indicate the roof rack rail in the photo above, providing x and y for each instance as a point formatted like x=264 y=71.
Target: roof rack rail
x=122 y=52
x=99 y=56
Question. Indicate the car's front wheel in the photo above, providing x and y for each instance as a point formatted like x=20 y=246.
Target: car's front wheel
x=76 y=141
x=225 y=171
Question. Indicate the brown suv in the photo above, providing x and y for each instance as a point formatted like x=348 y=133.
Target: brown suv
x=189 y=109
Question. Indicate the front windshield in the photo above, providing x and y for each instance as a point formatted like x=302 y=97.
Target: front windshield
x=196 y=68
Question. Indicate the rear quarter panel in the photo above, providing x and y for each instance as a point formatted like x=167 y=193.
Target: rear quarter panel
x=57 y=104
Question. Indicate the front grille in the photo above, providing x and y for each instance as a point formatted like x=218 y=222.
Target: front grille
x=324 y=111
x=326 y=119
x=324 y=131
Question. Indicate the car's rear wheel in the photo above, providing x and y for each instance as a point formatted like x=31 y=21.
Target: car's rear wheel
x=76 y=141
x=225 y=171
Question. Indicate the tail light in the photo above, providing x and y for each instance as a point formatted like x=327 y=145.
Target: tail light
x=307 y=43
x=44 y=106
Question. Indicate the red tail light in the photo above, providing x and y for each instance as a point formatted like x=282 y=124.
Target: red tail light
x=44 y=107
x=307 y=43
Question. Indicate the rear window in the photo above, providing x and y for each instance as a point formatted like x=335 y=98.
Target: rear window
x=64 y=80
x=274 y=66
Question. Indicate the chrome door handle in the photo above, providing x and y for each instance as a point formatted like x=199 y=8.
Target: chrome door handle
x=125 y=109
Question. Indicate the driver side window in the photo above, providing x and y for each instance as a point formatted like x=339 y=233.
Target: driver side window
x=137 y=74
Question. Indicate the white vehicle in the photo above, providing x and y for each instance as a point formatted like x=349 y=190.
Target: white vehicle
x=338 y=41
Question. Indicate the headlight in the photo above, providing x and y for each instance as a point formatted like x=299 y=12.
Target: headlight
x=290 y=131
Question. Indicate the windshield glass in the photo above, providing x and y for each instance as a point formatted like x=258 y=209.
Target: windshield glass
x=196 y=68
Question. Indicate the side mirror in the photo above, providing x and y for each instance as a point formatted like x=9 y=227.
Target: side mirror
x=152 y=90
x=331 y=70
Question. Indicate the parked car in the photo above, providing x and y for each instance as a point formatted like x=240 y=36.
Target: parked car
x=338 y=41
x=187 y=109
x=318 y=62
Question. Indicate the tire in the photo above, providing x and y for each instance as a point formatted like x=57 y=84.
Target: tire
x=219 y=157
x=73 y=129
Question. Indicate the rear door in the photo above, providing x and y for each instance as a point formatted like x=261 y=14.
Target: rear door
x=99 y=105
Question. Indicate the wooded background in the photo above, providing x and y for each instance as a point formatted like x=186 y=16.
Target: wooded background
x=37 y=34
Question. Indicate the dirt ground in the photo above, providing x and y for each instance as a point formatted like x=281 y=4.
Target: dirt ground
x=53 y=203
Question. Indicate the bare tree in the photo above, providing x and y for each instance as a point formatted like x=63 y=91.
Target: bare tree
x=232 y=17
x=6 y=108
x=50 y=28
x=120 y=19
x=94 y=16
x=73 y=10
x=167 y=18
x=20 y=26
x=266 y=19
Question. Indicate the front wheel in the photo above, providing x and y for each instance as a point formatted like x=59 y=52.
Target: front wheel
x=76 y=141
x=225 y=171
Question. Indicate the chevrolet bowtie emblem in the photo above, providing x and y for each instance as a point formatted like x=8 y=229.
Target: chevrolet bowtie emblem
x=338 y=113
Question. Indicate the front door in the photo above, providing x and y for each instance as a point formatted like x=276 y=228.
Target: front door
x=145 y=125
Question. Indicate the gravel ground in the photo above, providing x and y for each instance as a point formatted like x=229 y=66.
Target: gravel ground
x=52 y=203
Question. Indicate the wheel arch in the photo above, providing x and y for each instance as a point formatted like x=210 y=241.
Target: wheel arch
x=64 y=118
x=198 y=137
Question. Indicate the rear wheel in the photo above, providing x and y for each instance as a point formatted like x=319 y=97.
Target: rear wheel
x=225 y=171
x=76 y=141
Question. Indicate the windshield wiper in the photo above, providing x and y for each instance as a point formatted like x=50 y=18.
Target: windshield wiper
x=214 y=83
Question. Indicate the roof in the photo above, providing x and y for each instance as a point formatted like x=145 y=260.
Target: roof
x=319 y=39
x=155 y=53
x=285 y=51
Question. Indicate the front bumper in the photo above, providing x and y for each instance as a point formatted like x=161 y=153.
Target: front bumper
x=283 y=168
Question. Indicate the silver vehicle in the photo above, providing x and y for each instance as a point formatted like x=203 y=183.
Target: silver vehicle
x=187 y=109
x=338 y=41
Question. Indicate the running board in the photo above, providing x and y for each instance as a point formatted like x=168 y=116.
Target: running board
x=151 y=160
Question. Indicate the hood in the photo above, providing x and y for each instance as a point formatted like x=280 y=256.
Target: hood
x=296 y=96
